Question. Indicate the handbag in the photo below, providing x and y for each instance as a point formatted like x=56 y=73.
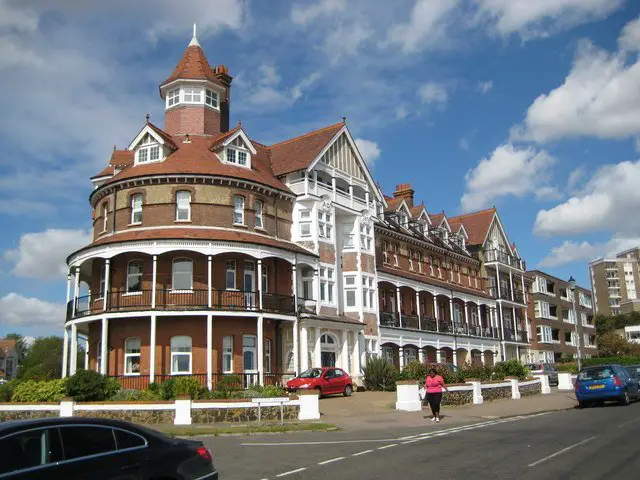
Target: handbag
x=422 y=393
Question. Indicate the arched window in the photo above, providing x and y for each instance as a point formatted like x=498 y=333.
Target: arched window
x=182 y=274
x=132 y=356
x=180 y=355
x=134 y=276
x=183 y=206
x=327 y=339
x=136 y=208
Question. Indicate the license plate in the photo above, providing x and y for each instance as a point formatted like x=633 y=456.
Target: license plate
x=595 y=387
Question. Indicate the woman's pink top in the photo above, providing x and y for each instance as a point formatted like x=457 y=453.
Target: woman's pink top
x=434 y=384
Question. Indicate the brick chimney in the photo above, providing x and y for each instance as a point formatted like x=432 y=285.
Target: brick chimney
x=404 y=191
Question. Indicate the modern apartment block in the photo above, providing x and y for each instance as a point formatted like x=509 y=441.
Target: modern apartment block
x=616 y=283
x=554 y=326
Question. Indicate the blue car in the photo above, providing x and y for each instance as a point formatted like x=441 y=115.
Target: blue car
x=605 y=383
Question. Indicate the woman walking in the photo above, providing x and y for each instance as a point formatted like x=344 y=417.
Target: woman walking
x=434 y=385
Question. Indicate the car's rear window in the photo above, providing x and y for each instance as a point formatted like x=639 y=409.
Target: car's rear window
x=633 y=369
x=597 y=373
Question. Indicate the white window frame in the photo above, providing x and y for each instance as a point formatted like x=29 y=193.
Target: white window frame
x=233 y=269
x=418 y=256
x=350 y=289
x=250 y=349
x=193 y=92
x=238 y=210
x=184 y=260
x=103 y=282
x=178 y=353
x=267 y=355
x=232 y=156
x=366 y=237
x=385 y=252
x=99 y=356
x=395 y=255
x=304 y=222
x=173 y=97
x=149 y=151
x=105 y=216
x=410 y=255
x=368 y=293
x=209 y=95
x=327 y=284
x=132 y=355
x=542 y=309
x=259 y=211
x=136 y=209
x=130 y=275
x=325 y=225
x=183 y=204
x=227 y=353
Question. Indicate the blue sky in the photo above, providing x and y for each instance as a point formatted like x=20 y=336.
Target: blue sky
x=532 y=106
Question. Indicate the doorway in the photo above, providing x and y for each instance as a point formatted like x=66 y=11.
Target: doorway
x=328 y=350
x=249 y=284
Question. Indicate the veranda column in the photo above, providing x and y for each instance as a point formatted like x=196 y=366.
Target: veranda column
x=152 y=349
x=435 y=312
x=209 y=351
x=418 y=309
x=515 y=323
x=401 y=357
x=210 y=281
x=74 y=349
x=294 y=283
x=107 y=278
x=260 y=349
x=65 y=353
x=466 y=312
x=316 y=287
x=86 y=353
x=355 y=355
x=296 y=356
x=480 y=320
x=421 y=355
x=439 y=356
x=344 y=355
x=68 y=287
x=399 y=300
x=511 y=285
x=154 y=276
x=304 y=348
x=76 y=287
x=103 y=345
x=317 y=350
x=260 y=284
x=455 y=357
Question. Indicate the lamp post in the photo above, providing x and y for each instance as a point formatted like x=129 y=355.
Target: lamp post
x=572 y=285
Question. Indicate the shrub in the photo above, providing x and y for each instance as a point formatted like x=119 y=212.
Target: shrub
x=567 y=367
x=622 y=360
x=510 y=368
x=6 y=390
x=90 y=386
x=379 y=375
x=447 y=375
x=414 y=371
x=46 y=391
x=187 y=386
x=228 y=384
x=134 y=396
x=468 y=370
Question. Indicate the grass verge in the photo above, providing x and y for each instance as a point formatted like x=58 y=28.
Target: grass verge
x=197 y=430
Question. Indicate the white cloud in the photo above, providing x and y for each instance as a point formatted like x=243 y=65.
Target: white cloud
x=432 y=92
x=42 y=255
x=508 y=171
x=402 y=112
x=575 y=177
x=427 y=27
x=16 y=309
x=608 y=202
x=629 y=39
x=25 y=20
x=570 y=252
x=484 y=87
x=345 y=41
x=540 y=18
x=369 y=150
x=305 y=14
x=264 y=89
x=306 y=83
x=599 y=98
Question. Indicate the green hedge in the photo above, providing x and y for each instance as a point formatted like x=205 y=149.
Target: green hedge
x=602 y=360
x=91 y=386
x=33 y=391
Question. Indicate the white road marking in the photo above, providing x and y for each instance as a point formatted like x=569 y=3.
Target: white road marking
x=291 y=472
x=560 y=452
x=388 y=446
x=361 y=453
x=331 y=460
x=628 y=423
x=336 y=442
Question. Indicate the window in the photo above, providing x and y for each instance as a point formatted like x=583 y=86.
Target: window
x=395 y=254
x=350 y=290
x=182 y=274
x=30 y=449
x=327 y=282
x=82 y=441
x=230 y=277
x=149 y=150
x=304 y=223
x=238 y=210
x=411 y=260
x=183 y=206
x=136 y=209
x=103 y=281
x=265 y=278
x=325 y=227
x=249 y=352
x=542 y=310
x=132 y=356
x=192 y=95
x=242 y=158
x=211 y=98
x=180 y=355
x=173 y=97
x=231 y=155
x=134 y=276
x=388 y=355
x=418 y=257
x=126 y=439
x=385 y=252
x=238 y=157
x=259 y=219
x=366 y=237
x=105 y=216
x=368 y=293
x=98 y=355
x=267 y=355
x=307 y=283
x=227 y=354
x=544 y=334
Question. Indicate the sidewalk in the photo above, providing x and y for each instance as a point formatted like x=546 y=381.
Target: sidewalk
x=376 y=410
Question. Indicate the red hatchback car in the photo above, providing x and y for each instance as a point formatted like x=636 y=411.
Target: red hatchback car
x=327 y=380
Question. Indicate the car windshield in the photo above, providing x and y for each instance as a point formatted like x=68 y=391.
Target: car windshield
x=311 y=373
x=598 y=373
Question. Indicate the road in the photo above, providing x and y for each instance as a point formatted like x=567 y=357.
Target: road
x=587 y=444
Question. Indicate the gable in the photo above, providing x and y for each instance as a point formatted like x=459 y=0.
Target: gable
x=496 y=237
x=241 y=140
x=341 y=156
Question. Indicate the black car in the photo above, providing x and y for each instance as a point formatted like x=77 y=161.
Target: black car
x=544 y=368
x=97 y=449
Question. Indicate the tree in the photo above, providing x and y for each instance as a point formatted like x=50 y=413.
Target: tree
x=21 y=345
x=611 y=344
x=43 y=360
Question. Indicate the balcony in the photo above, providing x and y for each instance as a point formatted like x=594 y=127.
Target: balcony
x=504 y=258
x=171 y=300
x=426 y=324
x=518 y=296
x=511 y=335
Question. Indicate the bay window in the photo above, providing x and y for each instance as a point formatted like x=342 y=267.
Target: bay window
x=180 y=355
x=366 y=237
x=327 y=283
x=325 y=226
x=173 y=97
x=192 y=95
x=211 y=98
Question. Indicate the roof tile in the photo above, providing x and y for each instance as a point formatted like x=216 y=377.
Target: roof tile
x=193 y=66
x=476 y=224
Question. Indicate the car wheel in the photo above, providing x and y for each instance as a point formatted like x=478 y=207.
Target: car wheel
x=348 y=390
x=582 y=404
x=625 y=399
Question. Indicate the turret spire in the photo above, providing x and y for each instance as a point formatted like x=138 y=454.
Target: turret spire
x=194 y=41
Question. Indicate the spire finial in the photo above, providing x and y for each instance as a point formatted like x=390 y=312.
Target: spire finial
x=194 y=41
x=147 y=116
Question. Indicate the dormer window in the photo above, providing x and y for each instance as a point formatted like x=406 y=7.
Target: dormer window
x=149 y=150
x=237 y=157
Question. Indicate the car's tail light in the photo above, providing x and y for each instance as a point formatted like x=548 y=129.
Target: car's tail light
x=205 y=453
x=617 y=382
x=577 y=386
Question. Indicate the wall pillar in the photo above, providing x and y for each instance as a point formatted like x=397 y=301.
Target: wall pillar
x=418 y=310
x=260 y=348
x=296 y=349
x=76 y=287
x=152 y=349
x=304 y=348
x=65 y=353
x=260 y=292
x=154 y=277
x=317 y=350
x=344 y=354
x=399 y=300
x=435 y=312
x=210 y=352
x=107 y=278
x=74 y=349
x=104 y=339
